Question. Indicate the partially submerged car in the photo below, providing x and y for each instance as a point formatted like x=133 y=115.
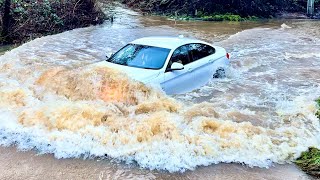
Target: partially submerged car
x=177 y=64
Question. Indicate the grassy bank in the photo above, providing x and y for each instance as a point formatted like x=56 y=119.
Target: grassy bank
x=216 y=17
x=23 y=20
x=310 y=160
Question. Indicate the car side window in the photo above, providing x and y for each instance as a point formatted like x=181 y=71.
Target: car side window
x=180 y=55
x=199 y=51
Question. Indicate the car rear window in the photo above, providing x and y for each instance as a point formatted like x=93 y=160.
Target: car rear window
x=199 y=51
x=141 y=56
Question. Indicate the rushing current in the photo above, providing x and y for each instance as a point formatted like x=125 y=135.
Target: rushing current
x=53 y=101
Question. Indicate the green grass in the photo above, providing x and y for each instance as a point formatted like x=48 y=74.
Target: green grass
x=216 y=17
x=309 y=161
x=223 y=17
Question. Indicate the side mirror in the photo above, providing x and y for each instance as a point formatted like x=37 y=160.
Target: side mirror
x=176 y=66
x=109 y=56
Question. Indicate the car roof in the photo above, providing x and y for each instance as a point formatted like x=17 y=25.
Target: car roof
x=166 y=42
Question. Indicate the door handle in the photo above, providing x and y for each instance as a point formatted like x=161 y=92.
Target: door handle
x=190 y=70
x=211 y=60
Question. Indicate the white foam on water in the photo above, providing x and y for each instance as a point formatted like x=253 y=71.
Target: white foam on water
x=284 y=26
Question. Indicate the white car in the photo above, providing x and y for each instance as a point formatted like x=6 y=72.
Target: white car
x=177 y=64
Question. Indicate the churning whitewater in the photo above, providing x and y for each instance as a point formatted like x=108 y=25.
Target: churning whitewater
x=53 y=100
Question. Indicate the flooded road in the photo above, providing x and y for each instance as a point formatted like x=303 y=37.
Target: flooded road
x=261 y=115
x=28 y=165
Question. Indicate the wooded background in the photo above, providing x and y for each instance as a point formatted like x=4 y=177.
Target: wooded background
x=22 y=20
x=260 y=8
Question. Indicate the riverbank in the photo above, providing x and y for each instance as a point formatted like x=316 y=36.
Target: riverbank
x=26 y=20
x=219 y=11
x=310 y=162
x=216 y=17
x=236 y=18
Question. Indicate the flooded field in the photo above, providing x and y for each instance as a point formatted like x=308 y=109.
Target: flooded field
x=53 y=102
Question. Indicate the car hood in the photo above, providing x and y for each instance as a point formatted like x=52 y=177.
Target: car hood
x=139 y=74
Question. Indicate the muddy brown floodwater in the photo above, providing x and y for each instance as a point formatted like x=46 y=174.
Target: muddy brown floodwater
x=61 y=118
x=28 y=165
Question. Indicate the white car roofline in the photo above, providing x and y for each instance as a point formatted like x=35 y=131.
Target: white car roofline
x=167 y=42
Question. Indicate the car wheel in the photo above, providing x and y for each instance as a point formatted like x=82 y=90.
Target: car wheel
x=220 y=73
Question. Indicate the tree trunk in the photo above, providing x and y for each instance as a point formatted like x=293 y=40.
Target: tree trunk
x=6 y=21
x=310 y=8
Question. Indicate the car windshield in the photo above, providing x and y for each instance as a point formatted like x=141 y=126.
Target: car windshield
x=141 y=56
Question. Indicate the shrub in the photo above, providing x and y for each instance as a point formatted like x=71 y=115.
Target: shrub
x=310 y=162
x=34 y=18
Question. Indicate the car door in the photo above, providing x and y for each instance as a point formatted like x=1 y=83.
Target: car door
x=201 y=62
x=178 y=81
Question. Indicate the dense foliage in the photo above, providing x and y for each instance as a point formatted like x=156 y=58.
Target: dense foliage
x=32 y=18
x=244 y=8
